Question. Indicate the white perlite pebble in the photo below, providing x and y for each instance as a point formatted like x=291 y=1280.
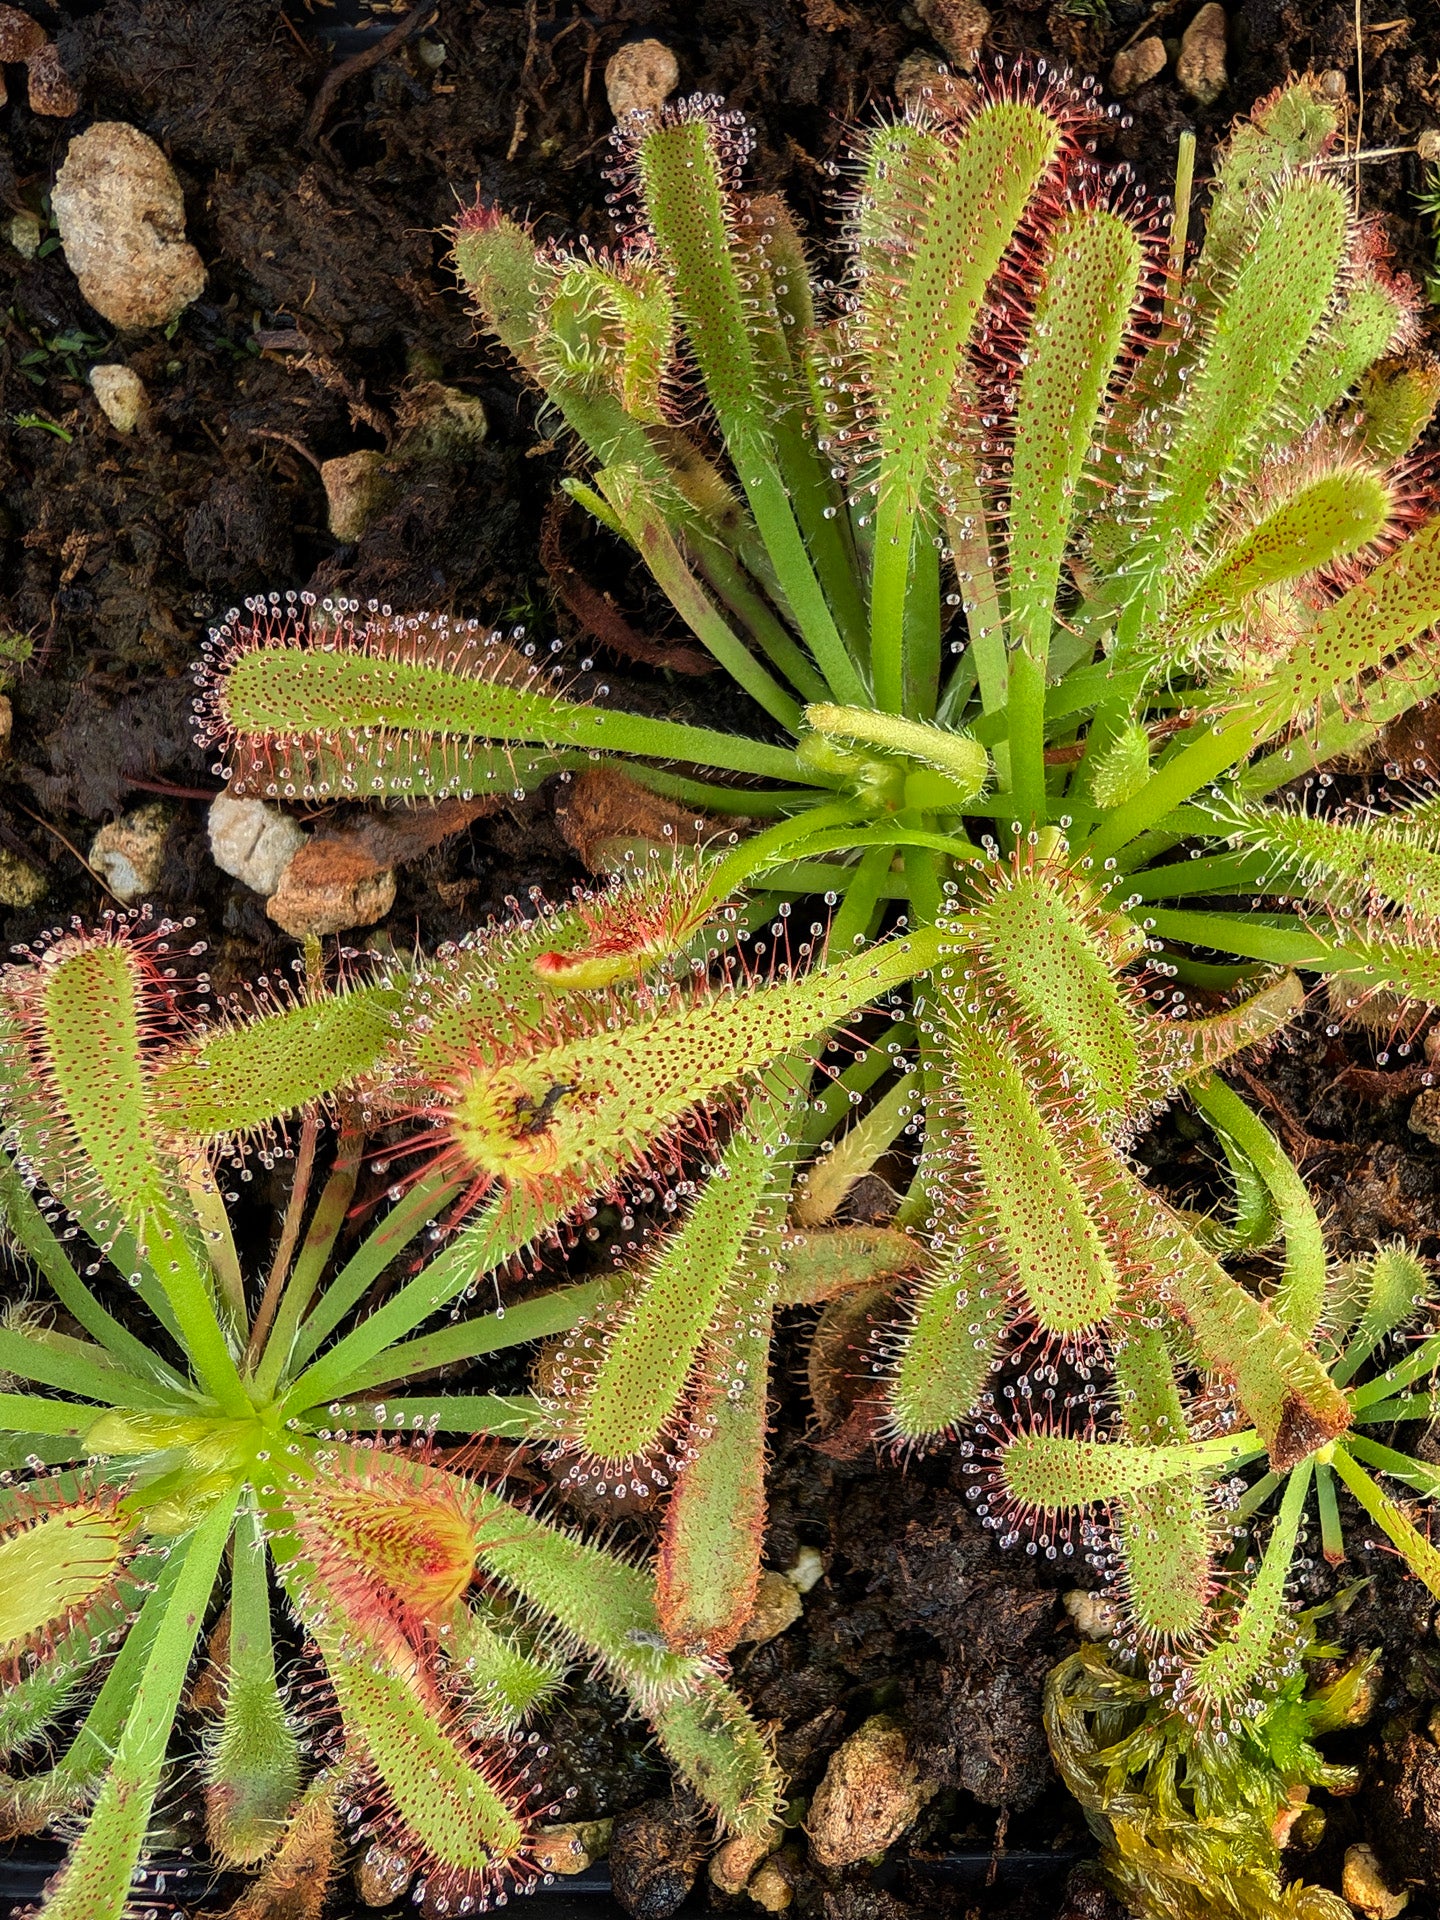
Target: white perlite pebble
x=640 y=77
x=121 y=395
x=253 y=842
x=121 y=217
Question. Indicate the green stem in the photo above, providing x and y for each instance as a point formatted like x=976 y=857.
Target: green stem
x=409 y=1216
x=1422 y=1359
x=73 y=1372
x=31 y=1229
x=537 y=1319
x=646 y=529
x=315 y=1251
x=507 y=1226
x=95 y=1881
x=31 y=1413
x=1300 y=1297
x=956 y=755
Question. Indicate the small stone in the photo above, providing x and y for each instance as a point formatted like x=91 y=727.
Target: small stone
x=357 y=488
x=640 y=77
x=129 y=852
x=121 y=395
x=1425 y=1114
x=564 y=1849
x=328 y=889
x=121 y=216
x=26 y=231
x=870 y=1794
x=960 y=26
x=1095 y=1617
x=1136 y=66
x=1201 y=66
x=1333 y=84
x=20 y=884
x=1427 y=145
x=923 y=80
x=777 y=1606
x=20 y=36
x=1363 y=1885
x=382 y=1876
x=808 y=1570
x=446 y=423
x=49 y=88
x=657 y=1850
x=253 y=842
x=732 y=1865
x=431 y=53
x=7 y=724
x=772 y=1889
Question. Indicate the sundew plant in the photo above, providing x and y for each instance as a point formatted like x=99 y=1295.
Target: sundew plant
x=1048 y=549
x=217 y=1441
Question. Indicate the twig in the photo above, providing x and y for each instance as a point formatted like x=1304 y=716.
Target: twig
x=1166 y=6
x=286 y=439
x=70 y=847
x=289 y=1235
x=359 y=63
x=517 y=136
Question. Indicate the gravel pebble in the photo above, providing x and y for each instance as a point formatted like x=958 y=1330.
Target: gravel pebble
x=128 y=852
x=960 y=27
x=253 y=842
x=121 y=217
x=1201 y=67
x=357 y=488
x=872 y=1791
x=328 y=889
x=120 y=394
x=640 y=77
x=1138 y=65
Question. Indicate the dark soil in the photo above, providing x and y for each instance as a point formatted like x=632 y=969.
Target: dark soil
x=319 y=212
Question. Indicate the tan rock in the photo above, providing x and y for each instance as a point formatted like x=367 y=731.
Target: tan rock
x=20 y=884
x=1201 y=67
x=808 y=1570
x=1427 y=145
x=327 y=889
x=960 y=26
x=640 y=77
x=20 y=36
x=26 y=230
x=357 y=488
x=445 y=423
x=1095 y=1616
x=872 y=1791
x=120 y=393
x=1363 y=1885
x=777 y=1606
x=1425 y=1114
x=732 y=1865
x=571 y=1847
x=772 y=1889
x=49 y=88
x=923 y=79
x=381 y=1876
x=7 y=725
x=129 y=852
x=121 y=217
x=1136 y=66
x=253 y=842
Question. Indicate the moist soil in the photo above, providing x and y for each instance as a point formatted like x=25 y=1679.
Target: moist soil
x=317 y=193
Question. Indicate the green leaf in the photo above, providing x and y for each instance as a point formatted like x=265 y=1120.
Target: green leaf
x=94 y=1883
